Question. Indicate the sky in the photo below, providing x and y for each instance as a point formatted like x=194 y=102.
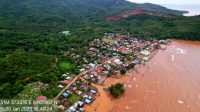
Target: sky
x=167 y=1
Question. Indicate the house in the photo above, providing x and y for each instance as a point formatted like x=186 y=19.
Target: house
x=60 y=86
x=162 y=41
x=135 y=61
x=98 y=69
x=81 y=70
x=109 y=61
x=65 y=94
x=86 y=77
x=145 y=52
x=123 y=50
x=68 y=78
x=89 y=97
x=92 y=49
x=79 y=92
x=66 y=33
x=103 y=57
x=64 y=75
x=92 y=65
x=117 y=61
x=72 y=109
x=68 y=91
x=81 y=109
x=74 y=88
x=152 y=47
x=105 y=72
x=91 y=76
x=107 y=66
x=93 y=91
x=85 y=96
x=65 y=81
x=41 y=97
x=87 y=101
x=61 y=107
x=80 y=103
x=99 y=77
x=75 y=105
x=145 y=58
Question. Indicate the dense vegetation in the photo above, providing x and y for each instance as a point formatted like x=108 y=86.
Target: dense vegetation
x=18 y=69
x=32 y=49
x=117 y=90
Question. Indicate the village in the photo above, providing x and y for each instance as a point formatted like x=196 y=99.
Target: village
x=109 y=56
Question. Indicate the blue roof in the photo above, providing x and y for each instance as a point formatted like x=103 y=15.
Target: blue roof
x=87 y=101
x=65 y=94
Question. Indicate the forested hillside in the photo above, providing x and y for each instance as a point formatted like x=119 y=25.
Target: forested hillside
x=32 y=47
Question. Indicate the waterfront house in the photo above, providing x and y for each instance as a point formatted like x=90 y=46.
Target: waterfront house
x=145 y=52
x=88 y=101
x=72 y=109
x=93 y=91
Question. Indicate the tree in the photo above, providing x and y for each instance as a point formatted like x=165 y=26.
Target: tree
x=123 y=71
x=117 y=90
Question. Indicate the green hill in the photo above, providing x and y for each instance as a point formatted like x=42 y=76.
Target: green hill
x=28 y=13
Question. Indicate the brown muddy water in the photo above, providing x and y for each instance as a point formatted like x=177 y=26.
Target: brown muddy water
x=169 y=82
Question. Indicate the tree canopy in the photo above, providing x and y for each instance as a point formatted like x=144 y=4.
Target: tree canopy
x=117 y=90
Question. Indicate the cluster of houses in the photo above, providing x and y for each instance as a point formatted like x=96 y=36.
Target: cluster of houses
x=66 y=79
x=84 y=92
x=114 y=52
x=109 y=55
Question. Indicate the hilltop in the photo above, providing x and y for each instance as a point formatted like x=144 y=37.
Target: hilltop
x=52 y=12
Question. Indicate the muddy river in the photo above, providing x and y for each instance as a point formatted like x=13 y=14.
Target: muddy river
x=169 y=82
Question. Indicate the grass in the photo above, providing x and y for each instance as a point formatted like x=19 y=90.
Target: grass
x=30 y=91
x=65 y=66
x=74 y=98
x=4 y=86
x=111 y=41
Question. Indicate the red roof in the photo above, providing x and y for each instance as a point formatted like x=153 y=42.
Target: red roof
x=65 y=81
x=98 y=69
x=41 y=97
x=122 y=49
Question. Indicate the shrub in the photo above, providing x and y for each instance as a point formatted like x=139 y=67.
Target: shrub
x=123 y=71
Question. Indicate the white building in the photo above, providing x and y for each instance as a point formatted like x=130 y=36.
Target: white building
x=66 y=33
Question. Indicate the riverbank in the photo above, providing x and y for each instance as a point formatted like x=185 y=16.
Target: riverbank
x=167 y=83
